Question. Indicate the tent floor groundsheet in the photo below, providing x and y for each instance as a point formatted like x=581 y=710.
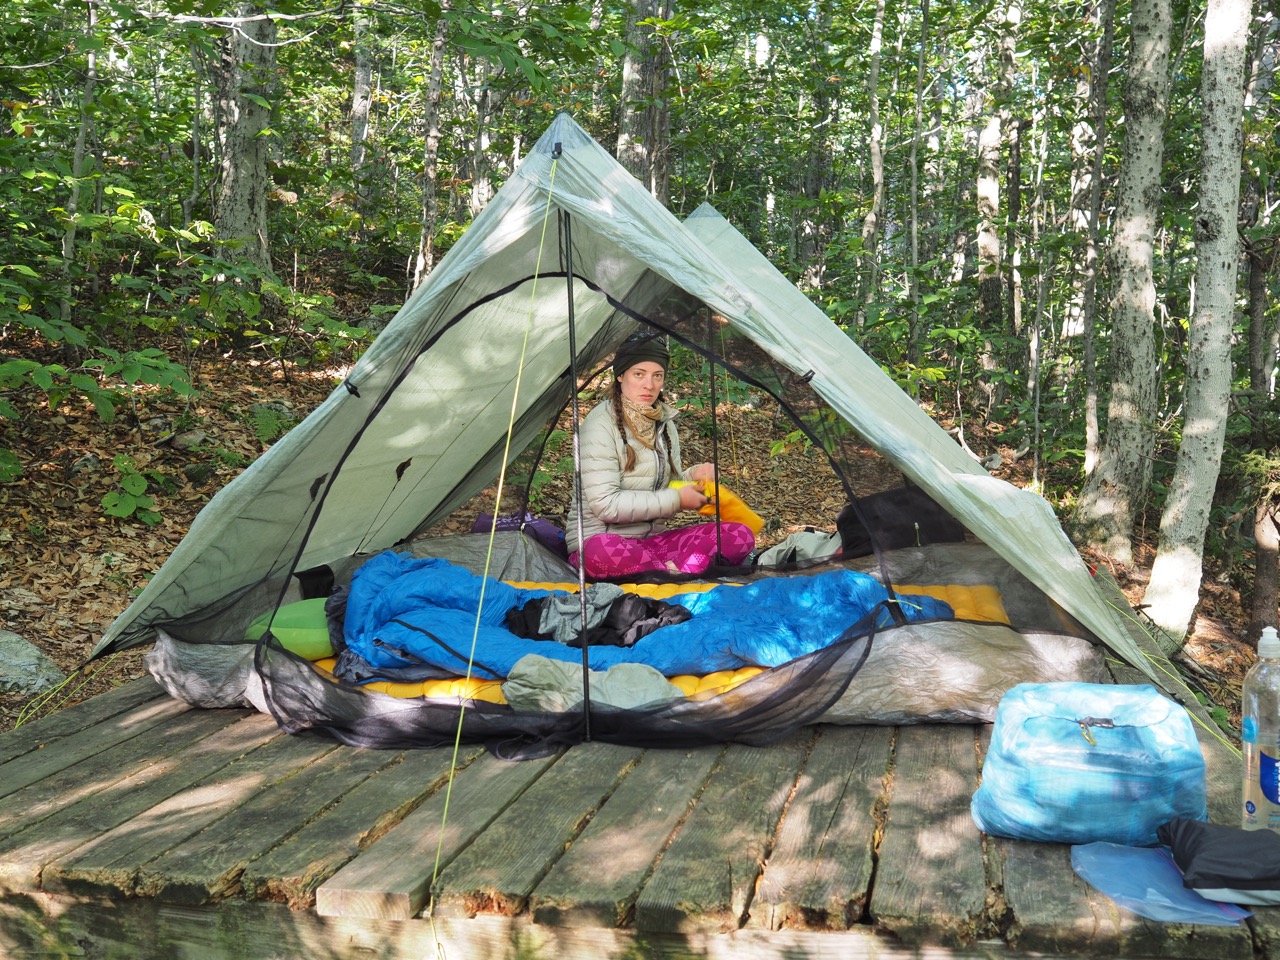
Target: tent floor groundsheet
x=136 y=826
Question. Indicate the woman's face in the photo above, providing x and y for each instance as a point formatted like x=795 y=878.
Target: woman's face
x=642 y=382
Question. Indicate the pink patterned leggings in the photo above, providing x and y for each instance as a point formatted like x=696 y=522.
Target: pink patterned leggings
x=688 y=549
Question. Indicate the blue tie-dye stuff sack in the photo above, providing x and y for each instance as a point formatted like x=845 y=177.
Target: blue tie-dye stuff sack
x=1085 y=762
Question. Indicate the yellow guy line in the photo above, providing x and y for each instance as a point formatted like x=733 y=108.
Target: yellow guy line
x=502 y=477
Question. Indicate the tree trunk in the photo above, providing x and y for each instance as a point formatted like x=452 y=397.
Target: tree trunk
x=425 y=258
x=989 y=277
x=1012 y=243
x=245 y=81
x=1266 y=568
x=660 y=117
x=871 y=224
x=917 y=136
x=1174 y=589
x=1086 y=203
x=80 y=152
x=643 y=121
x=481 y=184
x=633 y=146
x=991 y=270
x=361 y=103
x=1115 y=490
x=197 y=136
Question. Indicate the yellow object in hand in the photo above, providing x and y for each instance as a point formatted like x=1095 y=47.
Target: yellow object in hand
x=732 y=507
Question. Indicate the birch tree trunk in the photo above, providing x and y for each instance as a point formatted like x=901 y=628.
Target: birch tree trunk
x=1174 y=589
x=481 y=166
x=1086 y=202
x=1116 y=489
x=917 y=136
x=245 y=81
x=991 y=270
x=990 y=140
x=871 y=224
x=425 y=258
x=989 y=277
x=361 y=103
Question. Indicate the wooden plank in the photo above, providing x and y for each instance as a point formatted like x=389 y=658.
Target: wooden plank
x=80 y=716
x=819 y=874
x=292 y=871
x=43 y=926
x=705 y=880
x=930 y=883
x=24 y=854
x=1052 y=909
x=597 y=881
x=498 y=872
x=1265 y=925
x=207 y=865
x=391 y=879
x=72 y=750
x=108 y=865
x=31 y=804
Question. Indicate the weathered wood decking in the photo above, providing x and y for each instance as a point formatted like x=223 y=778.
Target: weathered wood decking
x=132 y=826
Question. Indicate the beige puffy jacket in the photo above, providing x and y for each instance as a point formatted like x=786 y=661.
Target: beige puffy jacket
x=633 y=504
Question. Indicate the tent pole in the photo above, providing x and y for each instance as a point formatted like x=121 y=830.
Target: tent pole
x=577 y=473
x=715 y=431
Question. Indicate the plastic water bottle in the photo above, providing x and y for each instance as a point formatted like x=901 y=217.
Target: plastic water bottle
x=1260 y=731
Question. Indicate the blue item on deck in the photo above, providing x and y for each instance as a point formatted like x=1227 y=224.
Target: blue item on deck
x=1147 y=881
x=1085 y=762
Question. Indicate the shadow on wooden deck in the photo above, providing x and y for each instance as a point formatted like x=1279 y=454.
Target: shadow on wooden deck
x=133 y=826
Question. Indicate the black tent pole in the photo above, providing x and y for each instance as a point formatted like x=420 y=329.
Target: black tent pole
x=577 y=475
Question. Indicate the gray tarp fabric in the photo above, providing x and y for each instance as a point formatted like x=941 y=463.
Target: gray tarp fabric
x=420 y=424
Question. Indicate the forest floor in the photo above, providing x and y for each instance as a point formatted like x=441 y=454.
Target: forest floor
x=67 y=570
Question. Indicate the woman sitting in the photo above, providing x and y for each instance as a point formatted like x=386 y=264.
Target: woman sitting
x=630 y=452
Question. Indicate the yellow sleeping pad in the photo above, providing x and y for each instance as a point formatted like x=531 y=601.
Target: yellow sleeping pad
x=981 y=603
x=694 y=687
x=452 y=687
x=703 y=688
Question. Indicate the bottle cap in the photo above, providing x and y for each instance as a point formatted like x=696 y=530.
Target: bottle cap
x=1269 y=644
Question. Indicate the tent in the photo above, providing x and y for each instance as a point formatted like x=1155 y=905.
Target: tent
x=569 y=257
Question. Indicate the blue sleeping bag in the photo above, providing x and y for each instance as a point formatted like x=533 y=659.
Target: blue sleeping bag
x=403 y=611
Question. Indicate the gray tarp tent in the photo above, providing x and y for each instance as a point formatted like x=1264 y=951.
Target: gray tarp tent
x=420 y=424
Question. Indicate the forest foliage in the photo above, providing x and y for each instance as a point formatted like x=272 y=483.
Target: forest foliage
x=850 y=142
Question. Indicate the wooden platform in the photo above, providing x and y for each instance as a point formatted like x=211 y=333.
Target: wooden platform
x=133 y=826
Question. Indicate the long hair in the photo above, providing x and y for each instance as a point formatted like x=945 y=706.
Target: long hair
x=630 y=462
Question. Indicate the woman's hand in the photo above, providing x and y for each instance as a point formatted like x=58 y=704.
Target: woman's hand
x=705 y=472
x=691 y=498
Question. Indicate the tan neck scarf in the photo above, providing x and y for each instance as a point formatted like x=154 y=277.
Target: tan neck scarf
x=642 y=421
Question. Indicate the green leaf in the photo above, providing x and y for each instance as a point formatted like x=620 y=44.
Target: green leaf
x=118 y=504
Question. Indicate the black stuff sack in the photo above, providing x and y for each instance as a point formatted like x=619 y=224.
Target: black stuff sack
x=897 y=518
x=1086 y=762
x=1223 y=863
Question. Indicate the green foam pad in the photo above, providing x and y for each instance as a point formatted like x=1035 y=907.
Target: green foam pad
x=300 y=627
